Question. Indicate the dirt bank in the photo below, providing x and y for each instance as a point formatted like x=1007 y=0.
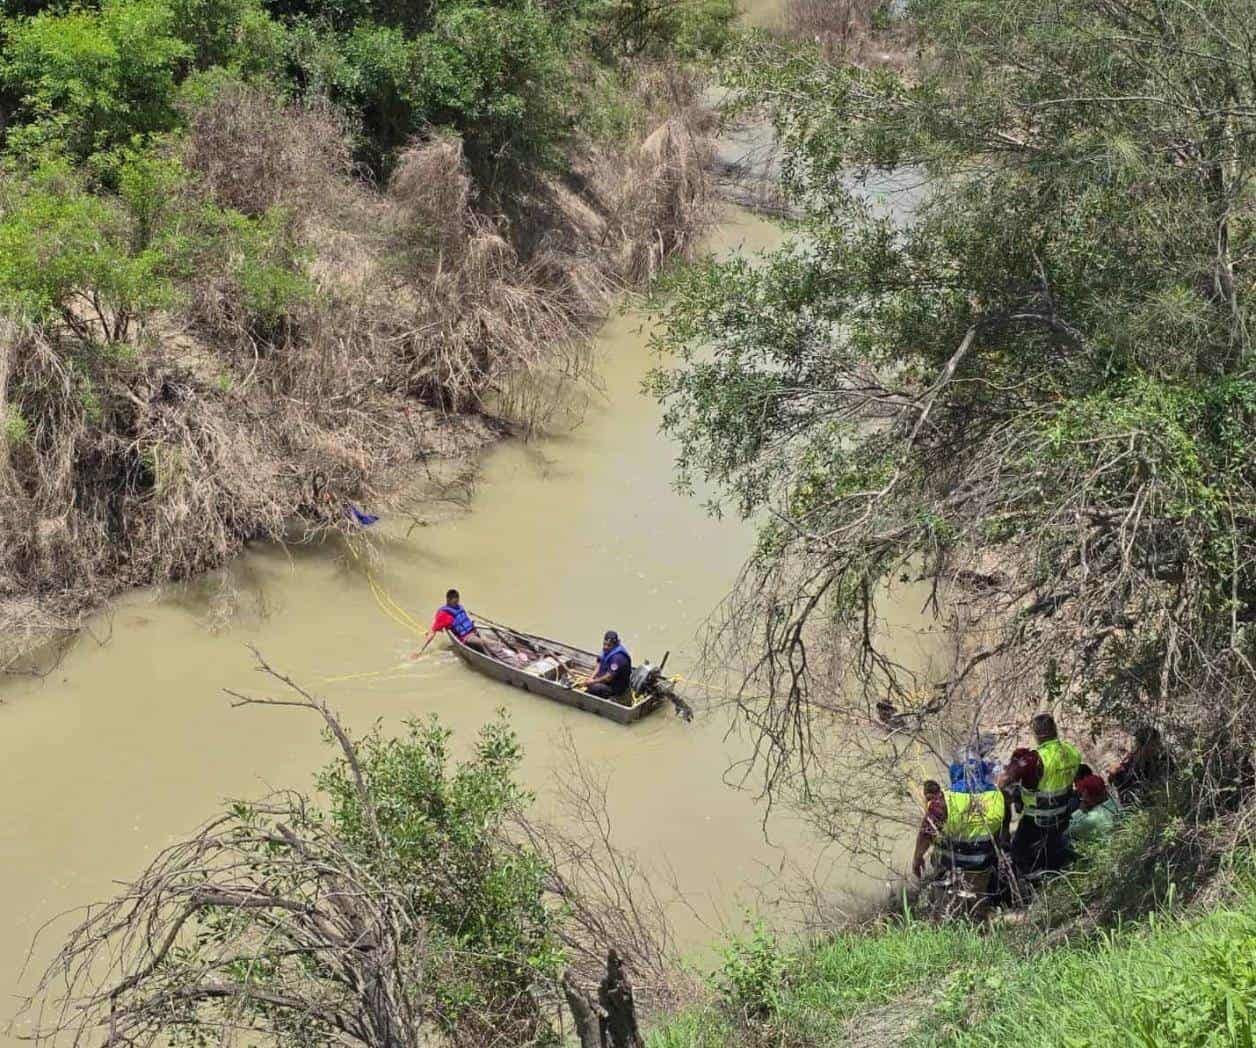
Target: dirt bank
x=433 y=321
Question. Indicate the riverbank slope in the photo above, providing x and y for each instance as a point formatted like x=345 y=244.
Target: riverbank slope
x=260 y=268
x=1185 y=979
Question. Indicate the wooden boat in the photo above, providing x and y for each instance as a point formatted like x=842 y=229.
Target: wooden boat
x=549 y=668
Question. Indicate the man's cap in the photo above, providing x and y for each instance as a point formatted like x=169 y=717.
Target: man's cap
x=612 y=636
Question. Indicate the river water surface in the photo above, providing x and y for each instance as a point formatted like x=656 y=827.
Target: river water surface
x=132 y=741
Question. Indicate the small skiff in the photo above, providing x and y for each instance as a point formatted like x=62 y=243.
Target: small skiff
x=550 y=669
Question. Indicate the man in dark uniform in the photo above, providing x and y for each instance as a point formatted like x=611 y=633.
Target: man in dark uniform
x=614 y=670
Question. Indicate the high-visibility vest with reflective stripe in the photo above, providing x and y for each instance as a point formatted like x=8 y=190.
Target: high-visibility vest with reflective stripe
x=1049 y=801
x=973 y=821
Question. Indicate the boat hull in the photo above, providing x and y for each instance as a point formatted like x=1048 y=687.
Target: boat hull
x=535 y=685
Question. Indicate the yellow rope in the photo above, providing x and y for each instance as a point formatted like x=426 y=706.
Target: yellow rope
x=387 y=604
x=389 y=607
x=369 y=673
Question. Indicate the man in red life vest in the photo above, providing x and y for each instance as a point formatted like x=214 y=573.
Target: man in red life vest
x=453 y=616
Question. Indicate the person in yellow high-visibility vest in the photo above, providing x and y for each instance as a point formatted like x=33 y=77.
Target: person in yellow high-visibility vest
x=1045 y=776
x=965 y=831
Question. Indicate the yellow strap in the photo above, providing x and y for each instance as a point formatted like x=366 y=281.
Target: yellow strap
x=389 y=607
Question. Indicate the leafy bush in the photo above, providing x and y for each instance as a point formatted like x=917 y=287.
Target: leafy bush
x=87 y=81
x=443 y=829
x=100 y=265
x=749 y=980
x=655 y=28
x=499 y=77
x=504 y=86
x=499 y=74
x=87 y=261
x=239 y=35
x=14 y=426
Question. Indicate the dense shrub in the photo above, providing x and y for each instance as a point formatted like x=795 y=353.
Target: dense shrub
x=86 y=81
x=99 y=266
x=94 y=264
x=237 y=34
x=443 y=831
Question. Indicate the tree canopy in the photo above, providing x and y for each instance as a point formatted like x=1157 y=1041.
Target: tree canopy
x=1035 y=395
x=83 y=79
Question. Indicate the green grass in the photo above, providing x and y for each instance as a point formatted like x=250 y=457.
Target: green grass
x=826 y=984
x=1164 y=982
x=1171 y=982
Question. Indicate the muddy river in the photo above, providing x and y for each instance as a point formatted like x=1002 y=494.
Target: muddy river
x=132 y=741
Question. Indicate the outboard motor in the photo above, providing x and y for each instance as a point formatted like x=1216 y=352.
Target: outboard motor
x=649 y=680
x=643 y=679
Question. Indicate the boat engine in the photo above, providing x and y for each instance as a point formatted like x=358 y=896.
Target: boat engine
x=649 y=680
x=645 y=678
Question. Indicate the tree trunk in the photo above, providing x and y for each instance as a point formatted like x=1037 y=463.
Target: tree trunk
x=584 y=1012
x=618 y=1008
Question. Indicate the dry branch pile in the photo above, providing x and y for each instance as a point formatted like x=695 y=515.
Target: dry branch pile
x=860 y=31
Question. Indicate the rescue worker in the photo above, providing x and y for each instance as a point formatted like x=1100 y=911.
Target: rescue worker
x=965 y=831
x=614 y=670
x=1097 y=810
x=453 y=616
x=1045 y=776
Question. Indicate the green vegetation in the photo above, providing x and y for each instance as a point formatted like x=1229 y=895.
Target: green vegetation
x=1026 y=388
x=1177 y=981
x=123 y=255
x=505 y=76
x=816 y=990
x=480 y=900
x=1184 y=979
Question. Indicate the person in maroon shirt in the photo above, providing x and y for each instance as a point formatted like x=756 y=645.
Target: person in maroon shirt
x=930 y=826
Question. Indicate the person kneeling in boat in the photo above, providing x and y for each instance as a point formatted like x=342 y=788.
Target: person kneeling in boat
x=453 y=616
x=614 y=671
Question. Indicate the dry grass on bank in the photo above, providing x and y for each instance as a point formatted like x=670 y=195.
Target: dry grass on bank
x=848 y=31
x=428 y=327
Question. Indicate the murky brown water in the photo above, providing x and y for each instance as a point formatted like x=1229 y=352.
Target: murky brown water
x=132 y=741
